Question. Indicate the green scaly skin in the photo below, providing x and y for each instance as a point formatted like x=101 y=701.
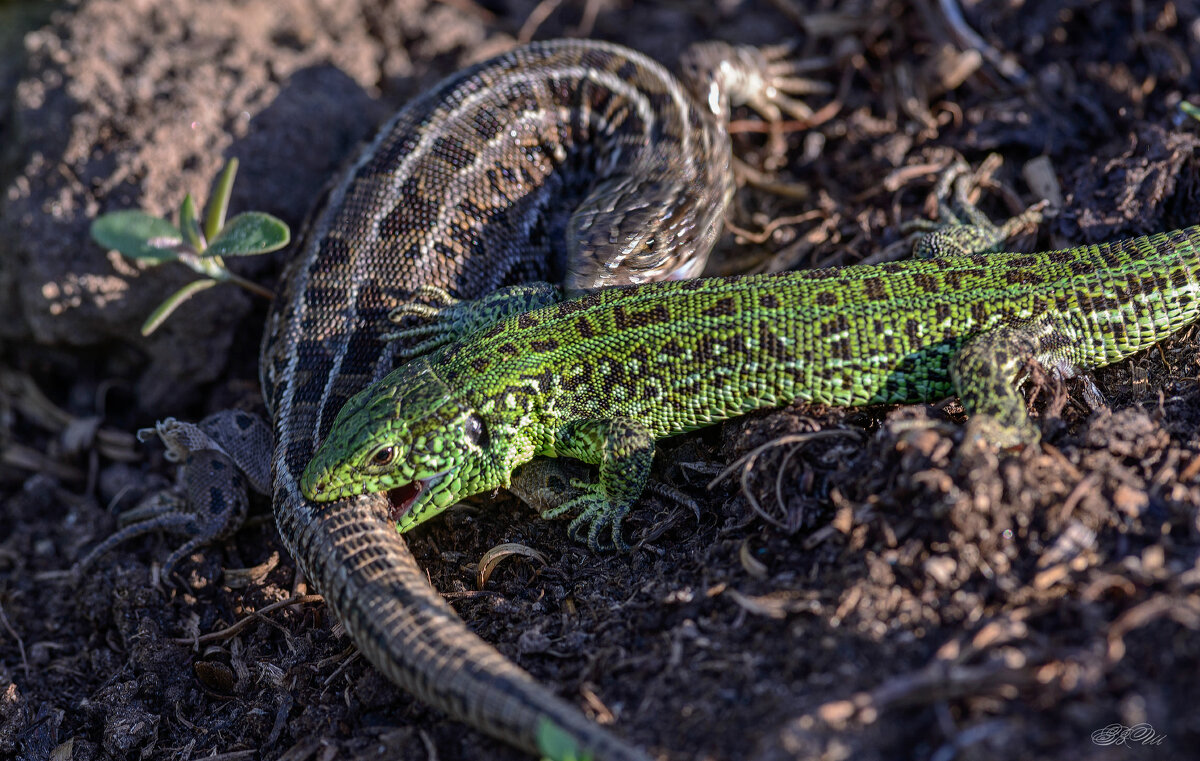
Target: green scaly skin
x=600 y=378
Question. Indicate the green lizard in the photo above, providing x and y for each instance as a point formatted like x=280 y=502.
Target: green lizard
x=600 y=378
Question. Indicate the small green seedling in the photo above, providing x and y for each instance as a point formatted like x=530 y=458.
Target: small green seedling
x=141 y=236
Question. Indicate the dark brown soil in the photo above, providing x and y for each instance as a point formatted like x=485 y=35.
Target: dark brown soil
x=893 y=596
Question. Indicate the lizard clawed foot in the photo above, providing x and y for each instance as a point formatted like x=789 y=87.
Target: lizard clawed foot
x=550 y=485
x=222 y=457
x=172 y=511
x=763 y=78
x=595 y=514
x=961 y=229
x=163 y=511
x=671 y=494
x=988 y=431
x=422 y=339
x=766 y=79
x=453 y=319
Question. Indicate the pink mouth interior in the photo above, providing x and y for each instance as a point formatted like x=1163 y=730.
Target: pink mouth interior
x=402 y=499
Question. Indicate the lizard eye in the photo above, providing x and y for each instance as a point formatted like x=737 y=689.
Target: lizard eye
x=383 y=457
x=476 y=431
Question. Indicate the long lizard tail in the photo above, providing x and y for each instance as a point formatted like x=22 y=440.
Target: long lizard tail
x=372 y=583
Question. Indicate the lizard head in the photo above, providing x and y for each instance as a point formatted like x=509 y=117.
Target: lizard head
x=409 y=436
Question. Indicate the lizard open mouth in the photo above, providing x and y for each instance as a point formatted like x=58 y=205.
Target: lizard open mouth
x=401 y=499
x=409 y=503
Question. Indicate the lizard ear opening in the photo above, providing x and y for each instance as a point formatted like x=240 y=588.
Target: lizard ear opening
x=476 y=431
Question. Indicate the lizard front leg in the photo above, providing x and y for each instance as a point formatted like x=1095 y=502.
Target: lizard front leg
x=450 y=319
x=624 y=450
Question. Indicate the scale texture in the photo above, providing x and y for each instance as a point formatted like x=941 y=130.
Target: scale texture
x=576 y=161
x=599 y=378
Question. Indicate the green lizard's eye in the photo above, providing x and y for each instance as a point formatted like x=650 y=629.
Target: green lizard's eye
x=383 y=457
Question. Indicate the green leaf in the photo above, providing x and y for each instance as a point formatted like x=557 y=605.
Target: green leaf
x=218 y=202
x=137 y=235
x=557 y=744
x=172 y=303
x=1190 y=110
x=247 y=234
x=208 y=266
x=190 y=224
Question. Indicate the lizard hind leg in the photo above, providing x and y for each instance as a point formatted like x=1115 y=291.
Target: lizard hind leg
x=764 y=78
x=222 y=458
x=962 y=229
x=988 y=369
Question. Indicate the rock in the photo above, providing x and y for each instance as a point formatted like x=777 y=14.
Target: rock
x=134 y=104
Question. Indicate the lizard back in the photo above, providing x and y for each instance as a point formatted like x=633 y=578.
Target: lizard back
x=678 y=356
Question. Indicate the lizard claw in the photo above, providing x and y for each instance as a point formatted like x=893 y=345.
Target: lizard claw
x=766 y=79
x=595 y=514
x=453 y=319
x=438 y=298
x=961 y=227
